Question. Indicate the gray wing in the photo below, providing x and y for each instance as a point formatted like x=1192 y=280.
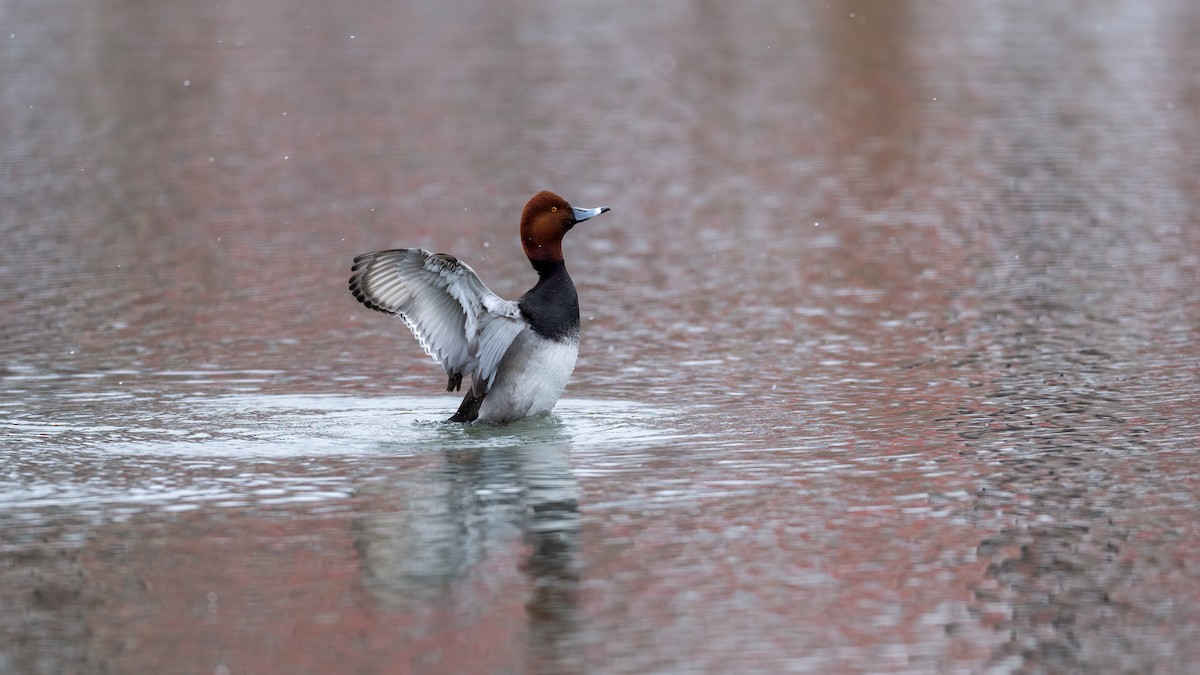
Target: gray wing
x=458 y=321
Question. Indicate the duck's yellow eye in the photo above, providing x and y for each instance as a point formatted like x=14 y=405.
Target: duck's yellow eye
x=553 y=209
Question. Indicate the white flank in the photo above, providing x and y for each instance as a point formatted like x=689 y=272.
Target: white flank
x=530 y=379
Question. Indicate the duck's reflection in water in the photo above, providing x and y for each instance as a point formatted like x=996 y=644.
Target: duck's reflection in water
x=455 y=526
x=552 y=532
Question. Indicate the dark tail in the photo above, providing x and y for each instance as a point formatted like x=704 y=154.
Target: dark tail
x=468 y=411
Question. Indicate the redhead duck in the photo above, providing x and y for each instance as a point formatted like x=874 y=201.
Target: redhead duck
x=519 y=354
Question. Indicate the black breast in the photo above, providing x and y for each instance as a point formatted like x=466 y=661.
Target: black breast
x=552 y=306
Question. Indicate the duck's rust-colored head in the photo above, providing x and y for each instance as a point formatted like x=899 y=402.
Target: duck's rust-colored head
x=546 y=218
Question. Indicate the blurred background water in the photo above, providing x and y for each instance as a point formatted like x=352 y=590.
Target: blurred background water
x=889 y=354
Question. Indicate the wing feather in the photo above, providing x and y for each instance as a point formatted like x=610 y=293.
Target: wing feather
x=457 y=320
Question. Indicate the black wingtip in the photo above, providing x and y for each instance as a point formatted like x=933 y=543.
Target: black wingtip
x=360 y=294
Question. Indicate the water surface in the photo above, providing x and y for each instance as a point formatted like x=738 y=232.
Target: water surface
x=889 y=354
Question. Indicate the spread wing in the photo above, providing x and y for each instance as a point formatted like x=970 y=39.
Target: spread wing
x=458 y=321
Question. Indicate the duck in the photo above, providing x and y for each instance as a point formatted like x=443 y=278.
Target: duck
x=519 y=354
